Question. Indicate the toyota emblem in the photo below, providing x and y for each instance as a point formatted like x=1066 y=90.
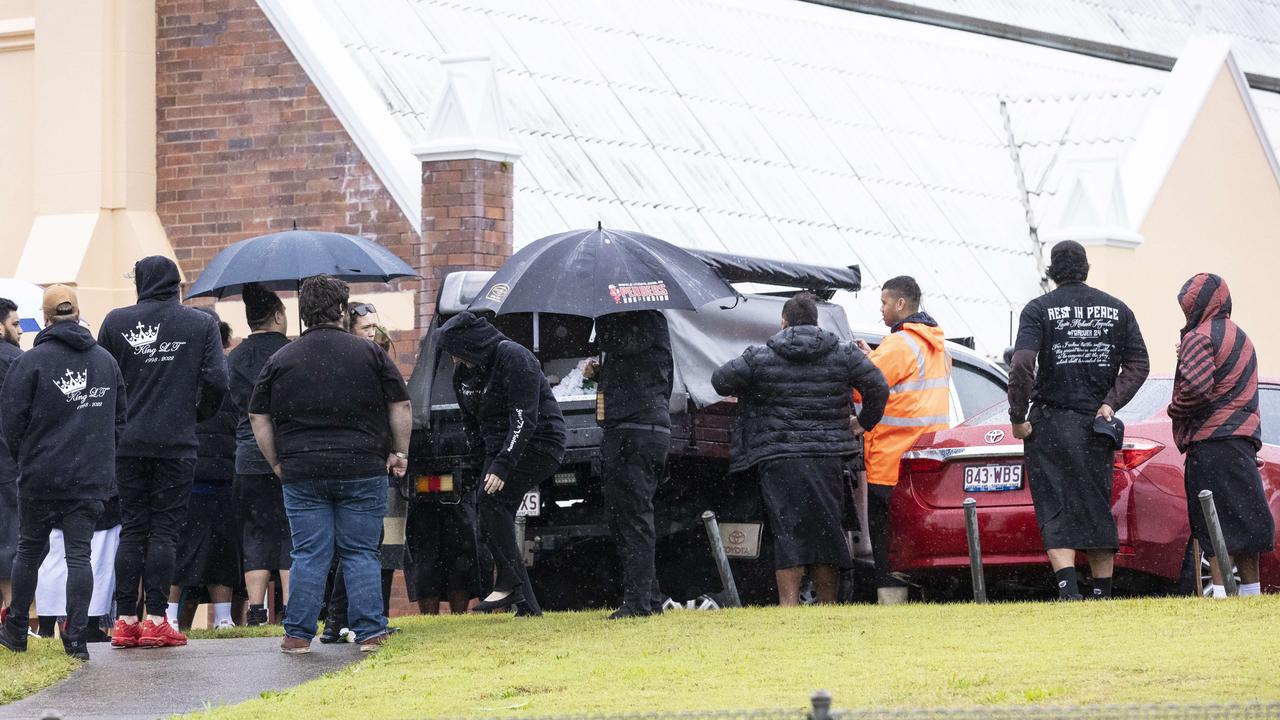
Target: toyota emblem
x=994 y=436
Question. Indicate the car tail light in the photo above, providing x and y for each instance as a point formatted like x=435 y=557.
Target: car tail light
x=1136 y=452
x=923 y=462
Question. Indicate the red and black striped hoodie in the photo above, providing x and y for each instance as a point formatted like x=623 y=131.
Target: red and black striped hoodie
x=1215 y=391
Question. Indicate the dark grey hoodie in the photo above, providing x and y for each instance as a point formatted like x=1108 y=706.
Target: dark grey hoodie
x=172 y=362
x=64 y=411
x=506 y=400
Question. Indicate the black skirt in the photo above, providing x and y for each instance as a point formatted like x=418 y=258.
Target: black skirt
x=805 y=500
x=207 y=552
x=1069 y=469
x=1228 y=469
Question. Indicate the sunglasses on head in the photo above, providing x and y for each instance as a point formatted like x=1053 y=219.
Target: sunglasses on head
x=362 y=309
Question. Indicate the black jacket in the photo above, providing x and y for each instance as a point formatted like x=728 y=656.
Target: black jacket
x=63 y=414
x=794 y=396
x=506 y=401
x=216 y=457
x=171 y=358
x=8 y=470
x=244 y=365
x=635 y=375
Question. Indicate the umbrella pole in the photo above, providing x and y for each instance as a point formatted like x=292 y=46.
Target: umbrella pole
x=537 y=336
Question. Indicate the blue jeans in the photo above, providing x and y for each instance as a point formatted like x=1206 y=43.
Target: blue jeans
x=345 y=515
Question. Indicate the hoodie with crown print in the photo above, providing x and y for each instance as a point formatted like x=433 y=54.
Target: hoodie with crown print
x=172 y=362
x=64 y=411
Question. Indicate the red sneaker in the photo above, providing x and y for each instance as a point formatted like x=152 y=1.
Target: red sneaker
x=162 y=635
x=124 y=635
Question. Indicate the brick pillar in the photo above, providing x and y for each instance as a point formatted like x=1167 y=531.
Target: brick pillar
x=466 y=221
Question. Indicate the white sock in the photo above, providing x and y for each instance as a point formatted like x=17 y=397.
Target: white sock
x=221 y=613
x=1248 y=589
x=1219 y=591
x=171 y=614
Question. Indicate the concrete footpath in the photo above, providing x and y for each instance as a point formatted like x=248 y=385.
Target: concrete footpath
x=143 y=684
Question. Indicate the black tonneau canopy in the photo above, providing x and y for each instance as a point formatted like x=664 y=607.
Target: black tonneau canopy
x=739 y=268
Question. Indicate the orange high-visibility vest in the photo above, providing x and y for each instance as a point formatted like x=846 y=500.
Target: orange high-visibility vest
x=917 y=367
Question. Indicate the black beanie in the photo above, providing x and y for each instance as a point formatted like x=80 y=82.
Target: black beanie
x=259 y=304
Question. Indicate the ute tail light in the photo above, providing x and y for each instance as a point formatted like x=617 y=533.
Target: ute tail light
x=1136 y=452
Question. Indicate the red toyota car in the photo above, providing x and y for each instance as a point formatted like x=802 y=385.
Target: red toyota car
x=981 y=459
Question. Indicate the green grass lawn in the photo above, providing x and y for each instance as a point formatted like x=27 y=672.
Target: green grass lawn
x=1168 y=650
x=43 y=664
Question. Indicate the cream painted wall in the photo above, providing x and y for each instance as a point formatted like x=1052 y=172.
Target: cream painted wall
x=94 y=115
x=17 y=129
x=1217 y=211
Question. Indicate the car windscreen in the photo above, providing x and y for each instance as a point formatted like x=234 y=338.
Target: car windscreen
x=1152 y=397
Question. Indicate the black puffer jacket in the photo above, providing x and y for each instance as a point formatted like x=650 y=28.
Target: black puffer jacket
x=794 y=396
x=506 y=399
x=635 y=378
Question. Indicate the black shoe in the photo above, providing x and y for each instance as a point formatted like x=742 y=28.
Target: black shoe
x=256 y=616
x=503 y=604
x=524 y=609
x=79 y=651
x=332 y=633
x=8 y=641
x=626 y=611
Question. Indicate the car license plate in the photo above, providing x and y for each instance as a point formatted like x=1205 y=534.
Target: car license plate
x=531 y=505
x=992 y=478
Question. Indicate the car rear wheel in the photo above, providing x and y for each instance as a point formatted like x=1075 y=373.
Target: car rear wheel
x=1196 y=566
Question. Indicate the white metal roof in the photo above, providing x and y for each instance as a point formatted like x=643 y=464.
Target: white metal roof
x=764 y=127
x=1156 y=26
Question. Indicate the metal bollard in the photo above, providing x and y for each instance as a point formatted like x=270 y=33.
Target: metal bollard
x=975 y=550
x=821 y=702
x=520 y=523
x=722 y=560
x=1219 y=542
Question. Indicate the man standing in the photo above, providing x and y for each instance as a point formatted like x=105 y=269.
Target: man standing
x=634 y=408
x=10 y=334
x=917 y=368
x=1217 y=424
x=172 y=362
x=1079 y=355
x=793 y=426
x=331 y=414
x=259 y=500
x=63 y=412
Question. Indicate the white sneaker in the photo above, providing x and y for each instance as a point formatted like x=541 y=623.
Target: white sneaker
x=224 y=625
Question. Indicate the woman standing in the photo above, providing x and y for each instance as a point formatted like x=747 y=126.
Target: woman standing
x=507 y=406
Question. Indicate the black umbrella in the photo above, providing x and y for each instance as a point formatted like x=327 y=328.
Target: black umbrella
x=281 y=260
x=597 y=272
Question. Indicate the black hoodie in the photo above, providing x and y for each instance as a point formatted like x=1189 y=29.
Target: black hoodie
x=8 y=471
x=506 y=401
x=171 y=358
x=635 y=375
x=63 y=414
x=794 y=396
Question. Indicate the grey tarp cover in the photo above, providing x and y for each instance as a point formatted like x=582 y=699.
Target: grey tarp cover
x=744 y=269
x=703 y=341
